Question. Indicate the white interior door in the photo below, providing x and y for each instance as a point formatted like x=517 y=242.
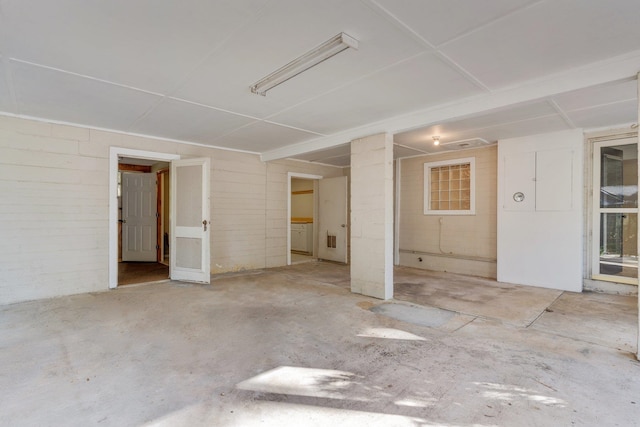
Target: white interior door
x=190 y=227
x=139 y=227
x=332 y=219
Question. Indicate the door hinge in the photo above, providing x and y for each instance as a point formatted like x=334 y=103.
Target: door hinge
x=157 y=214
x=157 y=247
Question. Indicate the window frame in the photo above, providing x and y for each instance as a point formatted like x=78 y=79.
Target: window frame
x=472 y=186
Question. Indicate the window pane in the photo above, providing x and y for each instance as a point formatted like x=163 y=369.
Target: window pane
x=447 y=186
x=188 y=253
x=189 y=193
x=619 y=176
x=618 y=244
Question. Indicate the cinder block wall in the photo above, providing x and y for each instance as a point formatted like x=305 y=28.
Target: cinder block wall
x=54 y=209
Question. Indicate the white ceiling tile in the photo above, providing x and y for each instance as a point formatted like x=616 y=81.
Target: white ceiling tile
x=414 y=84
x=149 y=44
x=261 y=136
x=51 y=94
x=185 y=121
x=440 y=20
x=285 y=30
x=598 y=95
x=606 y=115
x=549 y=37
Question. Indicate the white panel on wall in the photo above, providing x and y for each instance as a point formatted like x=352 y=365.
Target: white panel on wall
x=542 y=246
x=554 y=179
x=519 y=180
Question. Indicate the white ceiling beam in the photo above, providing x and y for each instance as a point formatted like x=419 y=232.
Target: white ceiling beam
x=611 y=70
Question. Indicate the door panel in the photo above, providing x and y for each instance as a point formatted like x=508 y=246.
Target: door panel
x=190 y=228
x=139 y=221
x=332 y=219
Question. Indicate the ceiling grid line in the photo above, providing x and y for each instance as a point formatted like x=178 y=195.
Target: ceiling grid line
x=490 y=23
x=84 y=76
x=393 y=19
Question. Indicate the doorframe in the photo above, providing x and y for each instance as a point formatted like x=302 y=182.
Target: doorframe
x=315 y=208
x=161 y=175
x=114 y=155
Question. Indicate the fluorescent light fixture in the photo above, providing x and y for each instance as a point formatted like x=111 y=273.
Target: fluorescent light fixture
x=310 y=59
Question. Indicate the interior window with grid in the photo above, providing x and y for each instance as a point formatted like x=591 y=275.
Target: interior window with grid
x=449 y=187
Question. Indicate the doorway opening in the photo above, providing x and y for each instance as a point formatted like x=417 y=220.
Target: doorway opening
x=303 y=207
x=302 y=212
x=143 y=223
x=138 y=216
x=324 y=235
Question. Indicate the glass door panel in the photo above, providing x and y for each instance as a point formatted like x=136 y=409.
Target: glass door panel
x=618 y=244
x=616 y=216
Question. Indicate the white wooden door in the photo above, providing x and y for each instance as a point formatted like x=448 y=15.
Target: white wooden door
x=139 y=217
x=332 y=219
x=190 y=226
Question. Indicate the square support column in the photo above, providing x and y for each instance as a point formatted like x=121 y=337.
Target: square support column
x=372 y=216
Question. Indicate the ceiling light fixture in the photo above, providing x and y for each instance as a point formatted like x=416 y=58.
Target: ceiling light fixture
x=436 y=140
x=310 y=59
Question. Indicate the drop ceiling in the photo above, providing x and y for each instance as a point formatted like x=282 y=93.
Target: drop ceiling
x=460 y=69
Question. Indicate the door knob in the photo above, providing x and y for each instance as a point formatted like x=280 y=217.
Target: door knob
x=343 y=225
x=204 y=222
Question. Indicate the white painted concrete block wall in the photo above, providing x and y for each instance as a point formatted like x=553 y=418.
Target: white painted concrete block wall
x=53 y=212
x=54 y=208
x=372 y=216
x=541 y=246
x=468 y=241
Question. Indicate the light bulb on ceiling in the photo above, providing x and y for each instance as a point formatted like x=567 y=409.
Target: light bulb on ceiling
x=436 y=140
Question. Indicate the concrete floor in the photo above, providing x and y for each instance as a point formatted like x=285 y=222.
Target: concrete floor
x=292 y=347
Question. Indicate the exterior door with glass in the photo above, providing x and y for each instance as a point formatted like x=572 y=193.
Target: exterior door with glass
x=615 y=218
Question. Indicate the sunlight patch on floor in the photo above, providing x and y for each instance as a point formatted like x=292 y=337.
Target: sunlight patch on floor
x=389 y=333
x=298 y=381
x=510 y=393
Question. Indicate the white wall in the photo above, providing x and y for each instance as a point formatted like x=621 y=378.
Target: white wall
x=54 y=209
x=540 y=240
x=464 y=244
x=302 y=204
